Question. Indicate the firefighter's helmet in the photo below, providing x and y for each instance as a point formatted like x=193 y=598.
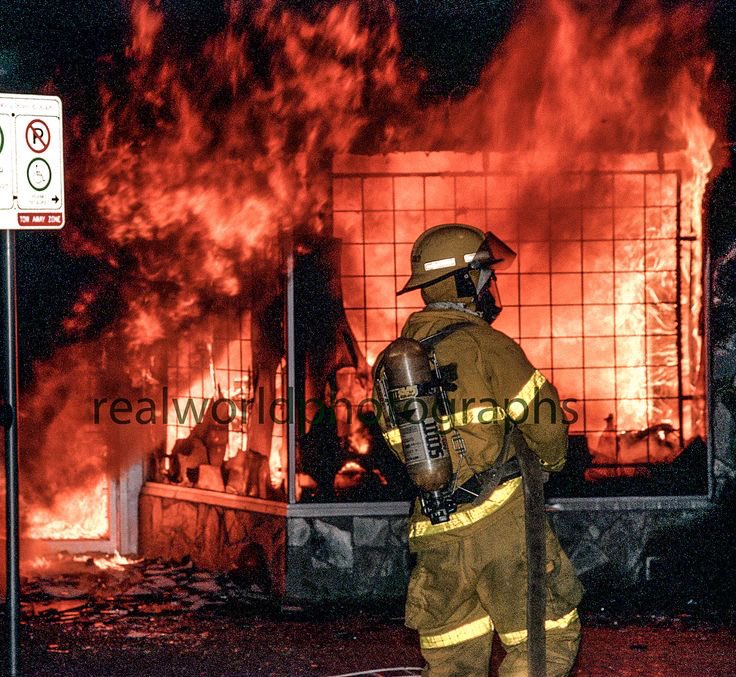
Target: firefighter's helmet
x=443 y=250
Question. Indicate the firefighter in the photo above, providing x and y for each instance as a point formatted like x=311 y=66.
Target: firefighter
x=470 y=577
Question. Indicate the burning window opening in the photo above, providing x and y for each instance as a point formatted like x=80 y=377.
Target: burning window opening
x=228 y=404
x=592 y=299
x=227 y=428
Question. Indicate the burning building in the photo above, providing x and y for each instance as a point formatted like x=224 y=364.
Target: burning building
x=257 y=227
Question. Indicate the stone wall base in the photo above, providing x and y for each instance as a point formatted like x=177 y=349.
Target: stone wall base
x=303 y=559
x=317 y=554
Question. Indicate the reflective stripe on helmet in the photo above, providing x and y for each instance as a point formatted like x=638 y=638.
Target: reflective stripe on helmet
x=519 y=636
x=464 y=633
x=519 y=406
x=464 y=518
x=472 y=257
x=438 y=264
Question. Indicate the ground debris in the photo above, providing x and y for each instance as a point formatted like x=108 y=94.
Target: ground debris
x=85 y=590
x=161 y=582
x=206 y=586
x=141 y=591
x=161 y=569
x=163 y=608
x=64 y=591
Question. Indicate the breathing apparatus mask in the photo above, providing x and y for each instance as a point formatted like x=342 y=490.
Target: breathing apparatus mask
x=478 y=280
x=487 y=296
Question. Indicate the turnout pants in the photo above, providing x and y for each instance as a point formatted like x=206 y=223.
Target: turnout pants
x=470 y=579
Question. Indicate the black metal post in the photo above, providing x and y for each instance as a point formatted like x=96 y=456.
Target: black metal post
x=536 y=606
x=10 y=423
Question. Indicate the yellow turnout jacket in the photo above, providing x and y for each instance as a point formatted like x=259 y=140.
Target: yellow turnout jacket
x=495 y=381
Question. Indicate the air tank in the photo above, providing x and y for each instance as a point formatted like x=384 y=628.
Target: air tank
x=413 y=398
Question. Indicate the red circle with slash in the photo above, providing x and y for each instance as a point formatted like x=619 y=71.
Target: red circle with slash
x=38 y=136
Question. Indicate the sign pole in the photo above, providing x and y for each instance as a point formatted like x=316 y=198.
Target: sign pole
x=31 y=198
x=10 y=423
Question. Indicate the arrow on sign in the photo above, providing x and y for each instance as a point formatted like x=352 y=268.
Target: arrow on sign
x=55 y=198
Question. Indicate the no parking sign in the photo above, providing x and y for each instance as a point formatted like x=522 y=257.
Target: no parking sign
x=31 y=162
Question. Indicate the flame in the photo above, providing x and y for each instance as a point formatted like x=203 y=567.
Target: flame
x=597 y=87
x=38 y=563
x=230 y=161
x=203 y=163
x=64 y=562
x=580 y=101
x=116 y=561
x=75 y=515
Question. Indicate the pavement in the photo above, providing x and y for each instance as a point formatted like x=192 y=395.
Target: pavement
x=263 y=644
x=102 y=617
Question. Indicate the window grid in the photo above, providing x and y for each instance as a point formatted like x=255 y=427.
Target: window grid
x=189 y=378
x=619 y=227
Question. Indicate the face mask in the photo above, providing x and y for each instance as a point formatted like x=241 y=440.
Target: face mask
x=488 y=299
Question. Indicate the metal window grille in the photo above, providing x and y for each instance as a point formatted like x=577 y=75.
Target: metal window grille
x=228 y=348
x=594 y=298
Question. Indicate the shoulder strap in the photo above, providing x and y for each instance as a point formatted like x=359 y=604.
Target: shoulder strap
x=433 y=339
x=428 y=341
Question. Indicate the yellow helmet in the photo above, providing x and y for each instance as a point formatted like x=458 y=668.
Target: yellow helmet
x=443 y=250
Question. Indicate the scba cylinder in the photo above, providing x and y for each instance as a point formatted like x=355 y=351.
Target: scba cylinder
x=413 y=400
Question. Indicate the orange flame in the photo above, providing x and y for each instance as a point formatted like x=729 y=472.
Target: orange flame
x=205 y=163
x=77 y=514
x=202 y=162
x=603 y=87
x=116 y=561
